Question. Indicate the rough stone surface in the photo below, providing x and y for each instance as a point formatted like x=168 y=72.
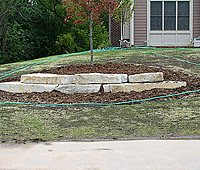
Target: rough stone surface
x=146 y=77
x=76 y=88
x=95 y=78
x=18 y=87
x=128 y=87
x=47 y=79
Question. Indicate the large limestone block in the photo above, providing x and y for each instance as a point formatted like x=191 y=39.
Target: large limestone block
x=18 y=87
x=146 y=77
x=128 y=87
x=76 y=88
x=98 y=78
x=40 y=78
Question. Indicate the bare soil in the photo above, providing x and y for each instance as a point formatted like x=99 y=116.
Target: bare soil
x=193 y=83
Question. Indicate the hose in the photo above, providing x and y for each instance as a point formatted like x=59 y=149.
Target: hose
x=99 y=104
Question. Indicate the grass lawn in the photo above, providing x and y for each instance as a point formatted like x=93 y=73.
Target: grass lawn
x=148 y=120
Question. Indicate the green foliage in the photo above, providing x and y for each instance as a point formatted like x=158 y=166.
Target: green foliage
x=124 y=12
x=104 y=44
x=2 y=61
x=19 y=47
x=81 y=37
x=78 y=39
x=82 y=33
x=29 y=30
x=100 y=37
x=65 y=44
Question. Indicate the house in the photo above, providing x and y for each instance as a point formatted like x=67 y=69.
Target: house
x=159 y=23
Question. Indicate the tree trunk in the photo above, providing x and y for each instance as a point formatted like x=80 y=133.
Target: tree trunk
x=91 y=41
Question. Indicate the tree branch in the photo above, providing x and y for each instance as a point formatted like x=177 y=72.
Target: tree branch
x=53 y=10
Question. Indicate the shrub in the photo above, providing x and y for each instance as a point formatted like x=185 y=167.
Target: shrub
x=100 y=37
x=2 y=61
x=104 y=44
x=82 y=34
x=65 y=44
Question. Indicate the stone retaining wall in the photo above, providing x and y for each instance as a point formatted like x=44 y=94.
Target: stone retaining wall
x=98 y=78
x=39 y=78
x=18 y=87
x=89 y=83
x=128 y=87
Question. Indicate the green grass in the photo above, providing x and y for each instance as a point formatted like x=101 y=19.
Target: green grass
x=159 y=120
x=155 y=120
x=125 y=56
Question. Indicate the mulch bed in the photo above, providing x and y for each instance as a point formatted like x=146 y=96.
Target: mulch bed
x=193 y=83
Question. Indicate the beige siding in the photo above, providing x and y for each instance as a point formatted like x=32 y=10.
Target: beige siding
x=196 y=18
x=140 y=23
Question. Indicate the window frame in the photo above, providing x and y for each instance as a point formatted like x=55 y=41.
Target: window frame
x=170 y=31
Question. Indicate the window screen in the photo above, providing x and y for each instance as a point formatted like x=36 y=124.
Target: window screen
x=170 y=15
x=183 y=15
x=156 y=15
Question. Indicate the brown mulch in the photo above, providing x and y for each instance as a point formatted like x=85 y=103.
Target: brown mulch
x=193 y=83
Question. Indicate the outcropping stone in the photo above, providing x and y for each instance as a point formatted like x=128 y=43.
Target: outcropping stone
x=128 y=87
x=39 y=78
x=146 y=77
x=98 y=78
x=18 y=87
x=76 y=88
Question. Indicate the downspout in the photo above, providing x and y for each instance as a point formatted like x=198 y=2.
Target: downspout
x=132 y=28
x=110 y=28
x=121 y=33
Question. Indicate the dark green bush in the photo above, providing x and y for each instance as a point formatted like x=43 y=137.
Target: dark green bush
x=81 y=35
x=100 y=37
x=65 y=44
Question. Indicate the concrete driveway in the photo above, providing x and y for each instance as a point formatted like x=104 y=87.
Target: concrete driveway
x=112 y=155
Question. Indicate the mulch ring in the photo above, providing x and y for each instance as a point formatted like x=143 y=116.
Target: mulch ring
x=193 y=83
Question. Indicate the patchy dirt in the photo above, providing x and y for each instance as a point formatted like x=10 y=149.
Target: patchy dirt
x=193 y=83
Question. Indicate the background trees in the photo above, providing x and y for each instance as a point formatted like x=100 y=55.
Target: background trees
x=31 y=29
x=90 y=12
x=27 y=30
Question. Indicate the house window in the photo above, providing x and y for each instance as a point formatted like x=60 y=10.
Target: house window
x=183 y=15
x=169 y=15
x=156 y=15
